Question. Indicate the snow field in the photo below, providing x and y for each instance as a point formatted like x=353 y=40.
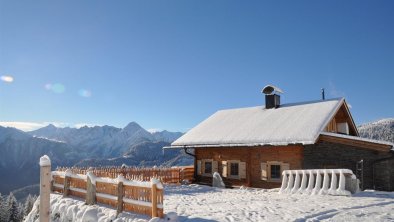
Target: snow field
x=203 y=203
x=197 y=203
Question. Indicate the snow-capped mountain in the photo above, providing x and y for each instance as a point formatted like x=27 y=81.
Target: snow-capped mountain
x=19 y=157
x=20 y=151
x=166 y=136
x=380 y=130
x=104 y=141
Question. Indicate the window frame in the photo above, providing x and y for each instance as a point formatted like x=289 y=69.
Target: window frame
x=203 y=173
x=229 y=162
x=270 y=172
x=283 y=166
x=205 y=167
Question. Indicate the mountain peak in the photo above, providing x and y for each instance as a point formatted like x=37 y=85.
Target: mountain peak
x=132 y=126
x=51 y=126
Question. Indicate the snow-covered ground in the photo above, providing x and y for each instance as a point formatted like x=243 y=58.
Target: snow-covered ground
x=203 y=204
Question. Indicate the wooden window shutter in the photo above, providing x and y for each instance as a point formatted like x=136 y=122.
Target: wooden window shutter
x=264 y=169
x=242 y=170
x=215 y=166
x=224 y=168
x=199 y=167
x=203 y=166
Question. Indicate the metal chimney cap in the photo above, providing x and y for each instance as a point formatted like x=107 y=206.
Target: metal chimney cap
x=269 y=89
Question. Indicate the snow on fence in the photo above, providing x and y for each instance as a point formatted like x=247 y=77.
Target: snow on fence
x=140 y=197
x=319 y=181
x=173 y=175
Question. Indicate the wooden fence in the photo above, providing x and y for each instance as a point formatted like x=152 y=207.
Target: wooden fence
x=167 y=175
x=140 y=197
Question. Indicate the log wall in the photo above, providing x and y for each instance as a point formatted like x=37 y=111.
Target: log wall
x=253 y=157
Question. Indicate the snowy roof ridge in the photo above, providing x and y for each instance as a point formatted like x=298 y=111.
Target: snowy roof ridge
x=358 y=138
x=292 y=123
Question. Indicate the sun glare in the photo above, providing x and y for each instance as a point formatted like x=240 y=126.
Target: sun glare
x=56 y=87
x=85 y=93
x=8 y=79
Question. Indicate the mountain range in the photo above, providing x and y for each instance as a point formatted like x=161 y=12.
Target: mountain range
x=94 y=146
x=103 y=146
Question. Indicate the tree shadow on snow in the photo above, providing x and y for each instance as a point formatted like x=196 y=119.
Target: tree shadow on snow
x=330 y=213
x=375 y=194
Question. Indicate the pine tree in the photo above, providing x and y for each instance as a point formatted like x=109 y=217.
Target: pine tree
x=3 y=209
x=12 y=207
x=21 y=212
x=29 y=204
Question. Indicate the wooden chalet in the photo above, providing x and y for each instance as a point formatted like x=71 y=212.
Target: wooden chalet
x=252 y=146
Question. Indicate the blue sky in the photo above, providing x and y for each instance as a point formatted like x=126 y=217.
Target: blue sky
x=171 y=64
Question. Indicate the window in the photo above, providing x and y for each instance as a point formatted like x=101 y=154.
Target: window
x=207 y=167
x=234 y=169
x=275 y=171
x=271 y=171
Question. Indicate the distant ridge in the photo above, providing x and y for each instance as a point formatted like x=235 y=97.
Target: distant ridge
x=97 y=145
x=380 y=130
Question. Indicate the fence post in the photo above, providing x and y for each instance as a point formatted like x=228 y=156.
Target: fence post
x=119 y=208
x=66 y=187
x=154 y=196
x=45 y=192
x=90 y=187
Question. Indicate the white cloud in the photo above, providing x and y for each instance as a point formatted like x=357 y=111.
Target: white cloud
x=25 y=126
x=29 y=126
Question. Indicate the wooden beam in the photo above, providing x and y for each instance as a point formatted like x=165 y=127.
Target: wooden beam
x=356 y=143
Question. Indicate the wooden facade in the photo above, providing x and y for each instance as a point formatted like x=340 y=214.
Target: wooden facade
x=255 y=170
x=254 y=159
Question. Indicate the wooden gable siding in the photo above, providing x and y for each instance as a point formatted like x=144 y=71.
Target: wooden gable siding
x=343 y=115
x=253 y=157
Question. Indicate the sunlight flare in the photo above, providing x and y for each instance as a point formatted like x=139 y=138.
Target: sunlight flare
x=8 y=79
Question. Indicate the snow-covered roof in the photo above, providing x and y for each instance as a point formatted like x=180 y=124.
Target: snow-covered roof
x=296 y=123
x=358 y=138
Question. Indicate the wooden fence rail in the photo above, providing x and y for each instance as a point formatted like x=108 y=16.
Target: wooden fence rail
x=167 y=175
x=142 y=197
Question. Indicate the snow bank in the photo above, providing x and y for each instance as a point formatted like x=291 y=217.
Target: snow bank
x=73 y=209
x=203 y=203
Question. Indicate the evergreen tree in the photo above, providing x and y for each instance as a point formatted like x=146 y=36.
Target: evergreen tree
x=29 y=204
x=21 y=212
x=3 y=209
x=12 y=207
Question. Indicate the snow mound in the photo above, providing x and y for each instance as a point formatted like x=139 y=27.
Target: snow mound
x=70 y=209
